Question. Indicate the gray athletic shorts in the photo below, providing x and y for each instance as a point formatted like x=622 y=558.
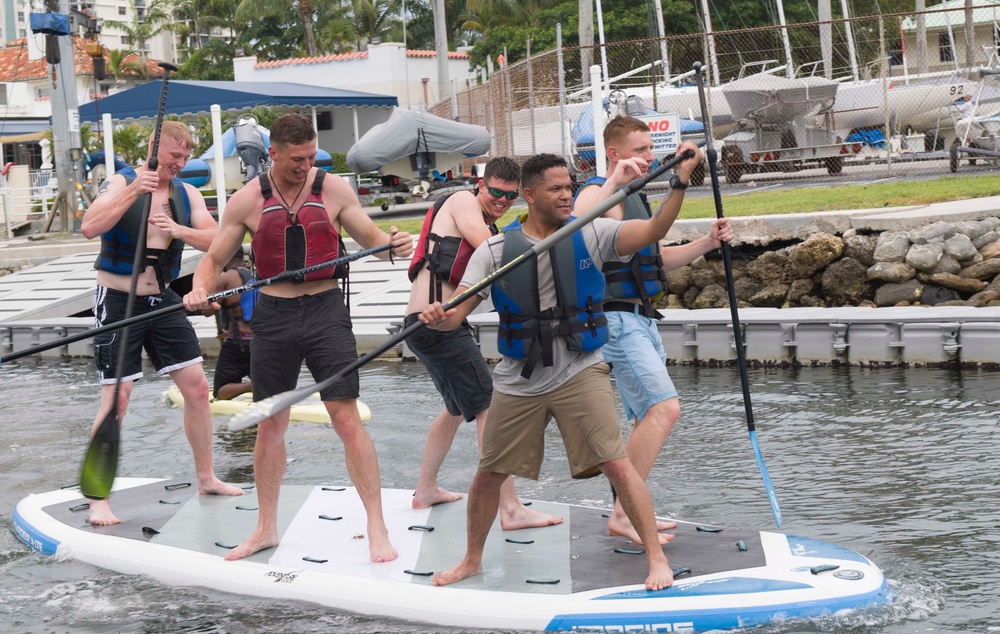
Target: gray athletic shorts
x=169 y=341
x=313 y=328
x=456 y=366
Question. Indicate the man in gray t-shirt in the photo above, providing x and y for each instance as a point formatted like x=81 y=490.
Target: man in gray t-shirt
x=573 y=385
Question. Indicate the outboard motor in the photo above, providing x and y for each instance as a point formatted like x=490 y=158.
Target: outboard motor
x=250 y=147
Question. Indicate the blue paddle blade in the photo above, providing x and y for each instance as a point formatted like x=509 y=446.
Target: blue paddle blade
x=772 y=497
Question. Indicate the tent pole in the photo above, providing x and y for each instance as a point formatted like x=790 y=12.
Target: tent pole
x=220 y=170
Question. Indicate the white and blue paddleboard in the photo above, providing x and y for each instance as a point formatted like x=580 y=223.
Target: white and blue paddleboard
x=573 y=576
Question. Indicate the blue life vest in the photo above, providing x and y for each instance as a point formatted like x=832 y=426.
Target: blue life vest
x=118 y=244
x=645 y=266
x=228 y=316
x=526 y=331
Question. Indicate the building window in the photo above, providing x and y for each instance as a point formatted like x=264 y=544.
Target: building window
x=121 y=10
x=20 y=16
x=3 y=94
x=22 y=33
x=945 y=52
x=41 y=93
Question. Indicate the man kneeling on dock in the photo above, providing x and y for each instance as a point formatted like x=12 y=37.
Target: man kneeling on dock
x=550 y=311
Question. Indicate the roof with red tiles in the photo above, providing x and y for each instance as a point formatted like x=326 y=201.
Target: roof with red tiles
x=344 y=57
x=16 y=66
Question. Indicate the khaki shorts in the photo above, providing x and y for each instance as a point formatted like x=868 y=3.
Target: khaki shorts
x=584 y=409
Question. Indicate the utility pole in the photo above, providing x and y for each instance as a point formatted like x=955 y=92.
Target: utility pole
x=65 y=125
x=441 y=47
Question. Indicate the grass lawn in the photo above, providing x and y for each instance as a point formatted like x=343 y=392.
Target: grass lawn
x=805 y=200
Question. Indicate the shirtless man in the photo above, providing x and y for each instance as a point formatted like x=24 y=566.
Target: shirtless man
x=295 y=213
x=177 y=216
x=452 y=230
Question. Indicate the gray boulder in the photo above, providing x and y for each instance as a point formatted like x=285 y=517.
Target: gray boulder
x=703 y=277
x=971 y=228
x=932 y=233
x=947 y=264
x=893 y=294
x=891 y=272
x=679 y=280
x=924 y=257
x=934 y=295
x=860 y=248
x=892 y=246
x=746 y=288
x=990 y=249
x=960 y=247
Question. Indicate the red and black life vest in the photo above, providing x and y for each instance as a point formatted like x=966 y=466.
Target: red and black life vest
x=448 y=259
x=287 y=242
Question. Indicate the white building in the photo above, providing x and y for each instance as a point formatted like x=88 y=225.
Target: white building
x=385 y=69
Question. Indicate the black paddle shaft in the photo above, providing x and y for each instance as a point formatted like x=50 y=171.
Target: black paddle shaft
x=101 y=461
x=284 y=276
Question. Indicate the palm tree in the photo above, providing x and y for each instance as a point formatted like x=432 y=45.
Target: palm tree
x=372 y=19
x=132 y=142
x=157 y=19
x=196 y=17
x=119 y=64
x=252 y=10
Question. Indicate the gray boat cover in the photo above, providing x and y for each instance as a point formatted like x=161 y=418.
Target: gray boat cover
x=410 y=131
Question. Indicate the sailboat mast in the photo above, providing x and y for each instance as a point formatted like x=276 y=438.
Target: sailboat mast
x=790 y=67
x=713 y=59
x=850 y=39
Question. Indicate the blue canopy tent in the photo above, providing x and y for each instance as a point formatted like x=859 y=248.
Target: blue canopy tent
x=193 y=97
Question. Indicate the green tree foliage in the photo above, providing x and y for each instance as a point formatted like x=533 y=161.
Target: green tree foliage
x=131 y=142
x=157 y=18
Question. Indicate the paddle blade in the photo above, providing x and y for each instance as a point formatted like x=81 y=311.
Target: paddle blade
x=772 y=497
x=101 y=461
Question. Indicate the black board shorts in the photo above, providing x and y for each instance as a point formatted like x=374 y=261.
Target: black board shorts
x=170 y=341
x=456 y=366
x=233 y=364
x=311 y=328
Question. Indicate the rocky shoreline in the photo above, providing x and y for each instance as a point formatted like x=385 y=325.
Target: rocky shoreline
x=938 y=264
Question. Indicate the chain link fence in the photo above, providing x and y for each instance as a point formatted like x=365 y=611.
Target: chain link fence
x=874 y=92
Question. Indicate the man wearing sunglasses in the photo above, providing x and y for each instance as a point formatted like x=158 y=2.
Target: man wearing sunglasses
x=634 y=348
x=453 y=227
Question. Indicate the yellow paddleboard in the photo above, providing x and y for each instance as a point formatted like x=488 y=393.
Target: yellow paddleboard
x=310 y=411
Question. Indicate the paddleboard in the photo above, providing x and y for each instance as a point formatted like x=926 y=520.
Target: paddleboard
x=573 y=576
x=311 y=410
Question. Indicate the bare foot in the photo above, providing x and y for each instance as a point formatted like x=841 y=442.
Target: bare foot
x=461 y=571
x=101 y=515
x=660 y=576
x=422 y=499
x=253 y=544
x=622 y=527
x=216 y=486
x=526 y=517
x=379 y=547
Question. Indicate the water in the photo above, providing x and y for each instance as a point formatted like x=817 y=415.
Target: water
x=898 y=464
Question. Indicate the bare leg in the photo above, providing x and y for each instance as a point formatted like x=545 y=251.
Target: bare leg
x=439 y=438
x=638 y=506
x=514 y=515
x=198 y=428
x=269 y=468
x=100 y=510
x=362 y=465
x=643 y=446
x=484 y=500
x=229 y=391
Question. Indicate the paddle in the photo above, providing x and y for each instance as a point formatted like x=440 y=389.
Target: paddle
x=101 y=461
x=284 y=276
x=699 y=71
x=262 y=410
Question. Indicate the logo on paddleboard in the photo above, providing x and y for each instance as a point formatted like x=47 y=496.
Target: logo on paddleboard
x=283 y=577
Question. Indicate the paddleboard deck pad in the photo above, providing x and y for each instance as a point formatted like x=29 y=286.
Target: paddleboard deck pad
x=572 y=576
x=311 y=410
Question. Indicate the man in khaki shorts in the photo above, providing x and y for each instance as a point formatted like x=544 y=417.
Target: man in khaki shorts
x=551 y=330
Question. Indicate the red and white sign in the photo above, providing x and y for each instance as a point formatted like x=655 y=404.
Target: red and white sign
x=666 y=131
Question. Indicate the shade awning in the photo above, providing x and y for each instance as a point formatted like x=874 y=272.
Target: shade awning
x=194 y=97
x=21 y=130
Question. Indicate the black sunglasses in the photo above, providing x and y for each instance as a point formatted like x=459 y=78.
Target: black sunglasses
x=499 y=193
